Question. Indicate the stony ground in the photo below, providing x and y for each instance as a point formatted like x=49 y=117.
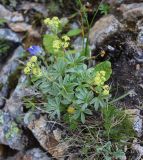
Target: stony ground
x=119 y=34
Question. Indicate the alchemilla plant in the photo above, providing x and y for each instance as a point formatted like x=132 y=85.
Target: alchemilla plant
x=72 y=91
x=69 y=88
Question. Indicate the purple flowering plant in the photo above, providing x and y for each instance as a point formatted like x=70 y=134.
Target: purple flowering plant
x=34 y=50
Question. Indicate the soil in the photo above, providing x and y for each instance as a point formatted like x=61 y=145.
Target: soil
x=127 y=72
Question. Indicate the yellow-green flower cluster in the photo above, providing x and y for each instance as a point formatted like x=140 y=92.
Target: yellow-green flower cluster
x=53 y=23
x=32 y=67
x=57 y=44
x=100 y=78
x=71 y=110
x=61 y=44
x=105 y=90
x=99 y=81
x=65 y=42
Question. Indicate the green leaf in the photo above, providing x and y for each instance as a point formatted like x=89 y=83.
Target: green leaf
x=48 y=42
x=119 y=154
x=88 y=111
x=82 y=116
x=104 y=66
x=104 y=8
x=107 y=158
x=74 y=32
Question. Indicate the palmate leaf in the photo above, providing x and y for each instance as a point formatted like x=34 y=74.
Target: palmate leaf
x=59 y=68
x=84 y=96
x=67 y=87
x=75 y=59
x=119 y=154
x=53 y=107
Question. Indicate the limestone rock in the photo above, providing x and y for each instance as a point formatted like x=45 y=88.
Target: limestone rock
x=10 y=133
x=103 y=29
x=8 y=69
x=9 y=35
x=132 y=12
x=45 y=133
x=10 y=16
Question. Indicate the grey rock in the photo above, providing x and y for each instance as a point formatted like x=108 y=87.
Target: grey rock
x=10 y=133
x=140 y=38
x=139 y=25
x=14 y=104
x=74 y=25
x=138 y=123
x=23 y=27
x=136 y=120
x=8 y=69
x=41 y=8
x=7 y=34
x=103 y=29
x=48 y=135
x=139 y=149
x=132 y=12
x=37 y=154
x=79 y=43
x=10 y=16
x=32 y=154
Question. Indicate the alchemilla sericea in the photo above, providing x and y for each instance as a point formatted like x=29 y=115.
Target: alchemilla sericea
x=69 y=88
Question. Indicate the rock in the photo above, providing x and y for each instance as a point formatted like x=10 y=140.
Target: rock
x=33 y=154
x=139 y=149
x=8 y=69
x=132 y=12
x=20 y=27
x=140 y=38
x=7 y=34
x=14 y=105
x=137 y=121
x=140 y=25
x=41 y=8
x=10 y=16
x=23 y=27
x=47 y=134
x=10 y=133
x=103 y=29
x=36 y=154
x=77 y=44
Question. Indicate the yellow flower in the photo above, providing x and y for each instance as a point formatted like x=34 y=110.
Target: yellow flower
x=47 y=21
x=100 y=78
x=71 y=110
x=57 y=44
x=33 y=59
x=36 y=71
x=65 y=44
x=55 y=19
x=53 y=23
x=106 y=87
x=27 y=70
x=30 y=65
x=65 y=38
x=56 y=22
x=102 y=53
x=105 y=90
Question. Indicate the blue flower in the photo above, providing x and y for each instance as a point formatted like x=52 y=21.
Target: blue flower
x=34 y=50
